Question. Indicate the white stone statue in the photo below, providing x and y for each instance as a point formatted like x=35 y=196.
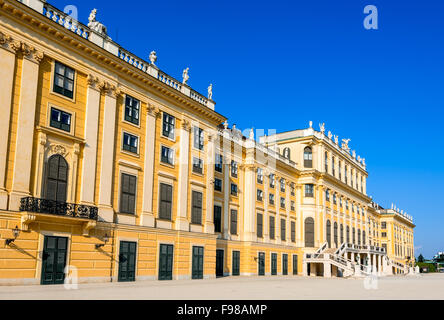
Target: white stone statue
x=287 y=153
x=330 y=135
x=210 y=91
x=185 y=75
x=252 y=134
x=345 y=143
x=322 y=127
x=153 y=57
x=311 y=124
x=363 y=162
x=96 y=25
x=226 y=124
x=354 y=154
x=336 y=140
x=359 y=159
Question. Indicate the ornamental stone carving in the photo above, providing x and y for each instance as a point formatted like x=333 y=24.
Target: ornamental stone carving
x=153 y=57
x=96 y=25
x=210 y=91
x=58 y=149
x=153 y=111
x=185 y=76
x=186 y=125
x=30 y=52
x=92 y=81
x=322 y=127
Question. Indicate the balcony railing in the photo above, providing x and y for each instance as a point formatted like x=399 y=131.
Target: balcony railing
x=44 y=206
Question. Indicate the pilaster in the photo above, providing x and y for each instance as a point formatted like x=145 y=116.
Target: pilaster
x=182 y=222
x=209 y=221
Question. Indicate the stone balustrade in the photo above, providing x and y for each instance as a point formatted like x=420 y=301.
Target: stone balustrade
x=65 y=20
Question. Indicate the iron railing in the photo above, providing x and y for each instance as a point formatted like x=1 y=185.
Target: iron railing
x=44 y=206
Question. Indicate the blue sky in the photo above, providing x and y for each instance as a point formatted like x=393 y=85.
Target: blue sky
x=279 y=64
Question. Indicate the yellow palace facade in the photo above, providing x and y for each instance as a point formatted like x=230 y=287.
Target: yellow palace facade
x=111 y=170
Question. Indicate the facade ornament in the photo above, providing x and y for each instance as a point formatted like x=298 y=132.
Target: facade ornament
x=225 y=125
x=322 y=127
x=210 y=92
x=287 y=153
x=15 y=45
x=114 y=91
x=336 y=140
x=252 y=134
x=185 y=76
x=354 y=154
x=58 y=149
x=153 y=58
x=96 y=25
x=186 y=125
x=345 y=143
x=330 y=135
x=152 y=110
x=38 y=56
x=359 y=159
x=103 y=86
x=311 y=124
x=363 y=162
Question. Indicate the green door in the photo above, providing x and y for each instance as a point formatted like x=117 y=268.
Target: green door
x=295 y=264
x=127 y=261
x=197 y=268
x=274 y=258
x=261 y=263
x=166 y=262
x=54 y=260
x=285 y=264
x=236 y=263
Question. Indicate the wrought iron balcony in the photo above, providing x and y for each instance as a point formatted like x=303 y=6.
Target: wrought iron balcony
x=44 y=206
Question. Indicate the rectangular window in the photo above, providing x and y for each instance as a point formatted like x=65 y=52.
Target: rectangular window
x=326 y=162
x=274 y=264
x=198 y=138
x=60 y=120
x=271 y=198
x=128 y=194
x=340 y=170
x=260 y=225
x=260 y=195
x=293 y=231
x=333 y=171
x=167 y=155
x=218 y=185
x=169 y=123
x=384 y=234
x=166 y=200
x=283 y=203
x=292 y=207
x=197 y=263
x=64 y=80
x=233 y=224
x=272 y=181
x=292 y=189
x=132 y=110
x=234 y=189
x=335 y=201
x=217 y=219
x=283 y=230
x=309 y=190
x=197 y=165
x=327 y=195
x=234 y=169
x=219 y=163
x=130 y=143
x=282 y=182
x=236 y=263
x=384 y=225
x=272 y=228
x=260 y=176
x=196 y=203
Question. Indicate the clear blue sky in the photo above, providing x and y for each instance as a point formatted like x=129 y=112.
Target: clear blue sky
x=278 y=64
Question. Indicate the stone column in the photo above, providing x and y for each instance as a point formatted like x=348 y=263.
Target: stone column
x=379 y=264
x=25 y=126
x=209 y=221
x=227 y=187
x=148 y=219
x=182 y=222
x=8 y=50
x=327 y=270
x=106 y=211
x=90 y=150
x=249 y=201
x=374 y=265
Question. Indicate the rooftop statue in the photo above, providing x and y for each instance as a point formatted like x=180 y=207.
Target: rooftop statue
x=336 y=139
x=210 y=92
x=185 y=75
x=153 y=57
x=311 y=124
x=96 y=25
x=330 y=135
x=322 y=127
x=354 y=154
x=345 y=143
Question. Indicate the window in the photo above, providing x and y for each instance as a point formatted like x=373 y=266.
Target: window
x=260 y=195
x=233 y=226
x=198 y=138
x=292 y=189
x=283 y=230
x=351 y=181
x=274 y=264
x=132 y=107
x=308 y=158
x=356 y=179
x=346 y=175
x=272 y=227
x=167 y=155
x=169 y=123
x=293 y=231
x=236 y=263
x=234 y=169
x=64 y=80
x=335 y=198
x=346 y=204
x=327 y=195
x=282 y=183
x=260 y=225
x=271 y=198
x=353 y=208
x=128 y=194
x=285 y=264
x=60 y=120
x=282 y=203
x=219 y=163
x=196 y=204
x=56 y=179
x=165 y=204
x=292 y=208
x=340 y=202
x=309 y=190
x=130 y=143
x=309 y=232
x=328 y=233
x=260 y=176
x=326 y=161
x=362 y=186
x=333 y=172
x=384 y=225
x=234 y=189
x=384 y=234
x=340 y=169
x=218 y=185
x=272 y=180
x=217 y=219
x=197 y=165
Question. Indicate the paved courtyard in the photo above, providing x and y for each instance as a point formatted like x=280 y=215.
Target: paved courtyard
x=429 y=286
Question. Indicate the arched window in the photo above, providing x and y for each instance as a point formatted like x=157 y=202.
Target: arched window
x=354 y=235
x=309 y=233
x=308 y=158
x=329 y=233
x=348 y=234
x=335 y=233
x=364 y=240
x=326 y=162
x=359 y=237
x=342 y=234
x=56 y=179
